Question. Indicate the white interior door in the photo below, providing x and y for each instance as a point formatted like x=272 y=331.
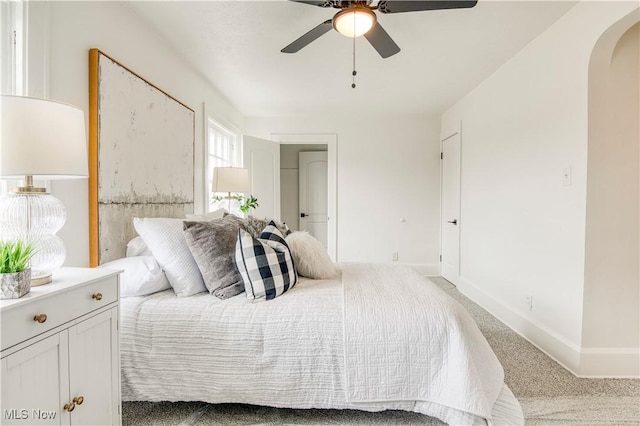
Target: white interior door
x=450 y=216
x=313 y=194
x=331 y=141
x=262 y=158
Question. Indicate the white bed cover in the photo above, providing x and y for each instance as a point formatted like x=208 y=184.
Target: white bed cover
x=297 y=350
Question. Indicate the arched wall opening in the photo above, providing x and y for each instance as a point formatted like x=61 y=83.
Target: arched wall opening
x=611 y=311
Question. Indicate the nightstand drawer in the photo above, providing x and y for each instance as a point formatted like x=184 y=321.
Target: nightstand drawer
x=42 y=314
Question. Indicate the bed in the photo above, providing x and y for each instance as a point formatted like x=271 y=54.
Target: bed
x=373 y=337
x=377 y=337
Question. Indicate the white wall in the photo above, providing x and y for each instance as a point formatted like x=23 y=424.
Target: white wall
x=74 y=28
x=612 y=289
x=388 y=169
x=524 y=230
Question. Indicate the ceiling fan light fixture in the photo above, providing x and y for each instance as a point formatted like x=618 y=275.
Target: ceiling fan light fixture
x=354 y=21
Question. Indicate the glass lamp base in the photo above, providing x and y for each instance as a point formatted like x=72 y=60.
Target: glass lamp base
x=35 y=217
x=41 y=280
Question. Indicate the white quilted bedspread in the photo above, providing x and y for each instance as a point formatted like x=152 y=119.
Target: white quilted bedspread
x=405 y=340
x=401 y=343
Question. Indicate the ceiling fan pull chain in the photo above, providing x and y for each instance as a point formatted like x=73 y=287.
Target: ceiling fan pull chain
x=353 y=74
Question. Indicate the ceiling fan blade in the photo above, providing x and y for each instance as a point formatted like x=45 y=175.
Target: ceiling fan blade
x=381 y=41
x=397 y=6
x=315 y=33
x=321 y=3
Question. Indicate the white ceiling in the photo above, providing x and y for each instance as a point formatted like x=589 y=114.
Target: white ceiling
x=445 y=54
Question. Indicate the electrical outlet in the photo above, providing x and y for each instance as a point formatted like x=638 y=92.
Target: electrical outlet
x=530 y=302
x=394 y=256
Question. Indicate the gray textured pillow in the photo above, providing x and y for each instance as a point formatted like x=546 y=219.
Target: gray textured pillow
x=255 y=226
x=213 y=246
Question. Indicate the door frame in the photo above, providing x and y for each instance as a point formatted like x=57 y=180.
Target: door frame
x=446 y=133
x=331 y=140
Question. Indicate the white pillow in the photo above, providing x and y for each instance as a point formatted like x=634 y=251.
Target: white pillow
x=137 y=247
x=310 y=256
x=216 y=214
x=166 y=241
x=142 y=275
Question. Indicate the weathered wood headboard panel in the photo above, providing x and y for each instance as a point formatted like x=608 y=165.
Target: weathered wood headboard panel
x=141 y=155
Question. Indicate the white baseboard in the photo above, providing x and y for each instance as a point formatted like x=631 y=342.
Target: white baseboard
x=610 y=362
x=429 y=269
x=595 y=362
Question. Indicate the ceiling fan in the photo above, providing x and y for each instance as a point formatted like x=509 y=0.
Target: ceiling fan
x=357 y=17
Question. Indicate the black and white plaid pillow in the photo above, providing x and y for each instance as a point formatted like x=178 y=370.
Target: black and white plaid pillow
x=265 y=263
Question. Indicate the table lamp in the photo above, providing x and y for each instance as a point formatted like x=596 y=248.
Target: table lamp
x=39 y=139
x=230 y=179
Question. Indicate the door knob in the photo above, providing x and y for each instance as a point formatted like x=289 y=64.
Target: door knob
x=303 y=215
x=454 y=221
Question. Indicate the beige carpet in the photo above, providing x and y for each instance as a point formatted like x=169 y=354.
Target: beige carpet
x=548 y=393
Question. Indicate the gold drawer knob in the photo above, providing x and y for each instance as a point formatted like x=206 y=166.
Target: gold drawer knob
x=97 y=296
x=69 y=407
x=78 y=400
x=40 y=318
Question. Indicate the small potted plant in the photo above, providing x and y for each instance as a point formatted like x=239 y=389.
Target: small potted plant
x=236 y=204
x=247 y=203
x=15 y=274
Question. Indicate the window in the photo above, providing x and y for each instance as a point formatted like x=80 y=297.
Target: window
x=12 y=47
x=224 y=150
x=12 y=62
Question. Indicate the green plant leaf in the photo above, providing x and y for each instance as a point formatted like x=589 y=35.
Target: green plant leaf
x=15 y=256
x=247 y=204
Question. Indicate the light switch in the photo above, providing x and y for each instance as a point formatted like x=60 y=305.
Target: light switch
x=566 y=176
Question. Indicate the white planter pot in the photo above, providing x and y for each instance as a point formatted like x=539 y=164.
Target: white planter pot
x=15 y=285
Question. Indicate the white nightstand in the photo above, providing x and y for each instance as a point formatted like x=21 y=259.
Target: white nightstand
x=60 y=359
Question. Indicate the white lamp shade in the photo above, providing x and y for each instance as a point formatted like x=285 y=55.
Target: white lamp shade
x=354 y=21
x=230 y=179
x=41 y=138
